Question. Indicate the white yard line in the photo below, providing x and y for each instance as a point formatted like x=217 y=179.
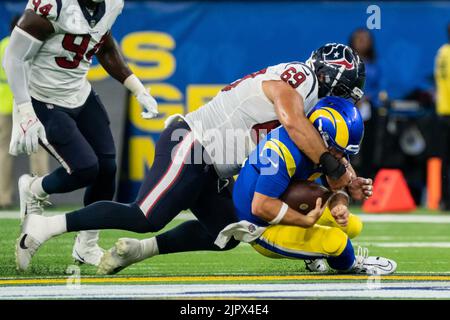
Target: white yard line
x=405 y=244
x=371 y=289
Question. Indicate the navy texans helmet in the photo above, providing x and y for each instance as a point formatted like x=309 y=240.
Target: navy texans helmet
x=340 y=71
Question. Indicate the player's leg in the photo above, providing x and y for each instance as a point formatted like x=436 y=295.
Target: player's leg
x=319 y=242
x=79 y=164
x=94 y=125
x=214 y=210
x=353 y=228
x=171 y=185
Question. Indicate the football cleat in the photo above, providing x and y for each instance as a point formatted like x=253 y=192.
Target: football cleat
x=372 y=265
x=125 y=252
x=29 y=202
x=32 y=235
x=26 y=248
x=316 y=265
x=86 y=250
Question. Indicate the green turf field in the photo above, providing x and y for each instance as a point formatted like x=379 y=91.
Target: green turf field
x=418 y=248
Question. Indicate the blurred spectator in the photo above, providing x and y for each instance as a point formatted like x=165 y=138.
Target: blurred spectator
x=361 y=40
x=38 y=161
x=442 y=77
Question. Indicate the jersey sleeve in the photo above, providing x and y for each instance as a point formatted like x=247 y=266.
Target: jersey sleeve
x=49 y=9
x=277 y=166
x=298 y=75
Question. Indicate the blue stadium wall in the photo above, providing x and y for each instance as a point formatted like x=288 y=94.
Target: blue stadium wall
x=186 y=51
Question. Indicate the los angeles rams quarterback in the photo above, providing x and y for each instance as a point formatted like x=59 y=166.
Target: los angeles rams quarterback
x=278 y=231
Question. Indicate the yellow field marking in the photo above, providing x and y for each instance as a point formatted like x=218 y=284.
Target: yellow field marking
x=115 y=280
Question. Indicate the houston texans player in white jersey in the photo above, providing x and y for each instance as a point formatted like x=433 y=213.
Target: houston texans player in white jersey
x=46 y=63
x=197 y=155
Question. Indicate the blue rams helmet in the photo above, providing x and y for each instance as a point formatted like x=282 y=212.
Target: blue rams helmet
x=339 y=122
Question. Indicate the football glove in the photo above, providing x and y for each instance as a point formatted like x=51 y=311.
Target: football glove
x=26 y=131
x=143 y=96
x=149 y=104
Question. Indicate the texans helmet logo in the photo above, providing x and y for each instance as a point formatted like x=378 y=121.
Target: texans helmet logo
x=340 y=55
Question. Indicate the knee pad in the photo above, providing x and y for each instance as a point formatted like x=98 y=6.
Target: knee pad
x=334 y=241
x=86 y=176
x=354 y=226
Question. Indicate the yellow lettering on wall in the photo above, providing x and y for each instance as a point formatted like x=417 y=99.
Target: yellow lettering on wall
x=198 y=95
x=158 y=90
x=150 y=48
x=141 y=155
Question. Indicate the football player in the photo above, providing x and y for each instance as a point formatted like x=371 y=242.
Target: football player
x=49 y=55
x=278 y=231
x=197 y=155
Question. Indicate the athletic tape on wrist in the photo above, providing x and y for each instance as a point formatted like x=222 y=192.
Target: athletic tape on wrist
x=284 y=208
x=135 y=85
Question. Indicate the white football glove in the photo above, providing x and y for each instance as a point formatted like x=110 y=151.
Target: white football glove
x=149 y=104
x=26 y=131
x=143 y=96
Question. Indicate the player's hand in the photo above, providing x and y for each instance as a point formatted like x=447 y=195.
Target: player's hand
x=27 y=130
x=360 y=188
x=342 y=182
x=340 y=214
x=149 y=104
x=314 y=214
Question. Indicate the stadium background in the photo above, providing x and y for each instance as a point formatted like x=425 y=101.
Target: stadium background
x=186 y=51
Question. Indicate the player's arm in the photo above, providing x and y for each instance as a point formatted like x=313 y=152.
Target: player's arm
x=275 y=211
x=360 y=188
x=290 y=110
x=25 y=42
x=272 y=182
x=112 y=60
x=338 y=205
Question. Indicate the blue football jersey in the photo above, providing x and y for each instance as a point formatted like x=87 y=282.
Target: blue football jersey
x=269 y=170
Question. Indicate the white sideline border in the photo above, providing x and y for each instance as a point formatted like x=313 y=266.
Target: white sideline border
x=369 y=290
x=391 y=218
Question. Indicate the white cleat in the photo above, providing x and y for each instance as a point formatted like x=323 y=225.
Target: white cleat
x=86 y=250
x=316 y=265
x=372 y=265
x=29 y=202
x=27 y=244
x=125 y=252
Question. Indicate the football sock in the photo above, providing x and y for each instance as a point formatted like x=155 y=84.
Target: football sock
x=149 y=247
x=345 y=260
x=37 y=189
x=188 y=236
x=43 y=228
x=108 y=215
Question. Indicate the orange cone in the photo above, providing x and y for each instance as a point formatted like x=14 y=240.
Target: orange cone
x=434 y=183
x=390 y=193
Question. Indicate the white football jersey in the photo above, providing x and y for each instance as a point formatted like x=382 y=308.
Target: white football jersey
x=58 y=73
x=225 y=125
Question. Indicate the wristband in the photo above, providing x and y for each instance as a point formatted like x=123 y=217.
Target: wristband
x=331 y=166
x=284 y=208
x=25 y=108
x=135 y=85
